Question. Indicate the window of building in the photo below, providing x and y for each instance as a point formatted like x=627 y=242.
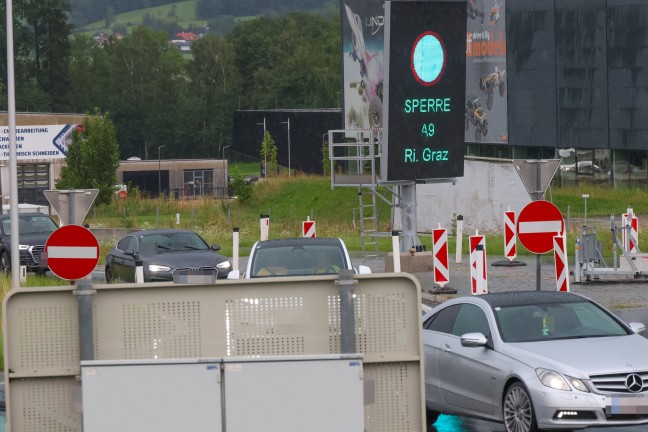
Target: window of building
x=199 y=182
x=33 y=180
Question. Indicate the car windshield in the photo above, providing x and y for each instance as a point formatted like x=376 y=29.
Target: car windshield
x=569 y=320
x=153 y=244
x=298 y=260
x=31 y=225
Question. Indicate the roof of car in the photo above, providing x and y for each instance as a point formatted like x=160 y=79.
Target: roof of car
x=513 y=298
x=23 y=215
x=161 y=231
x=297 y=241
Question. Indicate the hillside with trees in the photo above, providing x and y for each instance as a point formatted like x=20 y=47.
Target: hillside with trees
x=156 y=95
x=87 y=11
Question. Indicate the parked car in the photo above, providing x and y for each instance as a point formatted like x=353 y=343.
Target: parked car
x=297 y=257
x=164 y=252
x=535 y=360
x=33 y=231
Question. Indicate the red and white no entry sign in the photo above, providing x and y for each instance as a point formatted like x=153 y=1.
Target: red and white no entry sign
x=72 y=252
x=538 y=222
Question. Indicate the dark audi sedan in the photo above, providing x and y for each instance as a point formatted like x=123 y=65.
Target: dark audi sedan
x=164 y=253
x=33 y=231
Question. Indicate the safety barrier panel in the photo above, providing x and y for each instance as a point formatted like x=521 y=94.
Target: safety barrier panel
x=238 y=318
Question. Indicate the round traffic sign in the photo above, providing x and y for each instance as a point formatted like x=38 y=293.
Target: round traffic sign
x=538 y=222
x=72 y=252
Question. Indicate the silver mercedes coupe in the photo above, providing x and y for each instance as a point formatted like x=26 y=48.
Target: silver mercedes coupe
x=534 y=360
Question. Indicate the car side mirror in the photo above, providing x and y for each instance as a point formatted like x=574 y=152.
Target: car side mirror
x=234 y=274
x=363 y=269
x=129 y=252
x=471 y=340
x=215 y=247
x=637 y=327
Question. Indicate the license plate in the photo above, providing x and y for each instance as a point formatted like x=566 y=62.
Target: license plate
x=636 y=404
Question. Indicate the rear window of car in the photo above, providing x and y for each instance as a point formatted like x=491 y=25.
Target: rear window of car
x=297 y=260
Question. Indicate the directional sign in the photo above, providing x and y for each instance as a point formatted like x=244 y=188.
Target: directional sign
x=72 y=252
x=440 y=256
x=308 y=229
x=510 y=238
x=478 y=272
x=538 y=222
x=561 y=263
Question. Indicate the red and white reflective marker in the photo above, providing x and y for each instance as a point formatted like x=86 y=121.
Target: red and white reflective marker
x=308 y=228
x=560 y=258
x=634 y=231
x=478 y=277
x=538 y=222
x=440 y=256
x=72 y=252
x=510 y=238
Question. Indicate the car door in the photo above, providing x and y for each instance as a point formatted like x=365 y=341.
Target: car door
x=467 y=374
x=123 y=264
x=435 y=330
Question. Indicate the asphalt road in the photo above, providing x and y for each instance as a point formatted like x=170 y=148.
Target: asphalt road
x=627 y=297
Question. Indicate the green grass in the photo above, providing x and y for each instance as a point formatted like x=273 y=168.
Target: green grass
x=289 y=201
x=185 y=11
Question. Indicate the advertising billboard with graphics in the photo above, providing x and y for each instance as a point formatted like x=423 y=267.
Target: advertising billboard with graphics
x=362 y=50
x=363 y=72
x=486 y=109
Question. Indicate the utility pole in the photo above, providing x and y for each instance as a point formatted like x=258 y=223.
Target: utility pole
x=288 y=122
x=265 y=157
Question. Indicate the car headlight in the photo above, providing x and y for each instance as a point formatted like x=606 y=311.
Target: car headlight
x=577 y=384
x=158 y=268
x=552 y=379
x=23 y=247
x=557 y=381
x=224 y=265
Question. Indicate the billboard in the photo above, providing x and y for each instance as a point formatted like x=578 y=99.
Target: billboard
x=423 y=131
x=363 y=72
x=38 y=142
x=486 y=107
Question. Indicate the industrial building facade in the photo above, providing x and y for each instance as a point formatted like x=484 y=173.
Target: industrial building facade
x=561 y=79
x=41 y=142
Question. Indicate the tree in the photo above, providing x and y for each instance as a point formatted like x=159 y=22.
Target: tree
x=93 y=158
x=214 y=85
x=148 y=80
x=269 y=155
x=90 y=70
x=290 y=61
x=50 y=31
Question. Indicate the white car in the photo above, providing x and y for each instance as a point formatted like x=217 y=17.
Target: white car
x=298 y=257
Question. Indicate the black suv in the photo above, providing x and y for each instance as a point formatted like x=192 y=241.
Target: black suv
x=33 y=231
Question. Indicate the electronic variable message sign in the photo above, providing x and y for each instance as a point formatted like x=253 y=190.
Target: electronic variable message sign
x=424 y=92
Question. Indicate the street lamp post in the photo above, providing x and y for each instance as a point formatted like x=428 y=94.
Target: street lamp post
x=160 y=171
x=226 y=184
x=288 y=122
x=265 y=162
